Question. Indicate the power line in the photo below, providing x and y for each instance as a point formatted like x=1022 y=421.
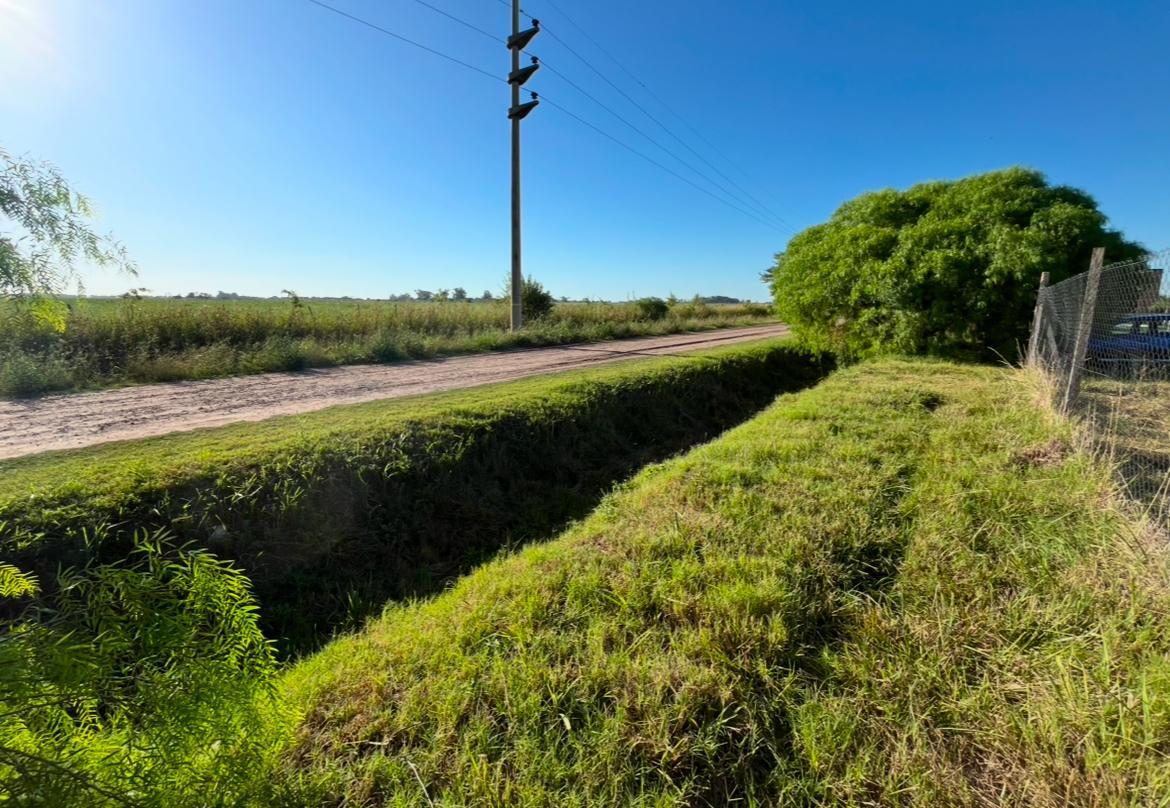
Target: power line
x=591 y=97
x=637 y=129
x=654 y=162
x=401 y=38
x=571 y=114
x=507 y=4
x=758 y=203
x=462 y=22
x=643 y=110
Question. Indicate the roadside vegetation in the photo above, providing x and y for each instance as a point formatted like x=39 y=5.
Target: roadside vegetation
x=912 y=584
x=947 y=268
x=139 y=339
x=334 y=512
x=907 y=586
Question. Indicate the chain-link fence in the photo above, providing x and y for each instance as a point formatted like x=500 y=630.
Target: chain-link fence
x=1103 y=339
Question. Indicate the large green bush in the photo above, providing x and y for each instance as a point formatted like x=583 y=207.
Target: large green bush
x=944 y=267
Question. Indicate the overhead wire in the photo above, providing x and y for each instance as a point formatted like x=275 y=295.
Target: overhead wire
x=636 y=128
x=654 y=162
x=461 y=21
x=543 y=98
x=762 y=206
x=590 y=96
x=646 y=112
x=593 y=98
x=407 y=40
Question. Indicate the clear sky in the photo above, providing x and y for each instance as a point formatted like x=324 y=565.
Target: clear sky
x=258 y=145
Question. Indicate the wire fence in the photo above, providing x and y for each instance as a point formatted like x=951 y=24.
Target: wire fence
x=1103 y=340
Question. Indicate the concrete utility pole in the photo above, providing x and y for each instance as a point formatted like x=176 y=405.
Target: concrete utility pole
x=516 y=43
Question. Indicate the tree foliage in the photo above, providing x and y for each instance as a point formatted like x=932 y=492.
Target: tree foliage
x=535 y=300
x=944 y=267
x=652 y=308
x=143 y=682
x=47 y=233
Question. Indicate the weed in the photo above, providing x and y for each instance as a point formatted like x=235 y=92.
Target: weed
x=335 y=512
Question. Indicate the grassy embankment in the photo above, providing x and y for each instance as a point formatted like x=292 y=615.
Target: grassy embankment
x=907 y=586
x=334 y=512
x=107 y=342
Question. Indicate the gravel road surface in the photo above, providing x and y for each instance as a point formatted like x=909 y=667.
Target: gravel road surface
x=72 y=420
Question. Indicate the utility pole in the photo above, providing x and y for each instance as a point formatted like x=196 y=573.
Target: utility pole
x=516 y=113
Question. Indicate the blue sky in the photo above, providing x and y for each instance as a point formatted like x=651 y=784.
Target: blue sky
x=259 y=145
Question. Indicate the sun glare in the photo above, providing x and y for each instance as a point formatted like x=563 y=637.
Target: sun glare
x=29 y=47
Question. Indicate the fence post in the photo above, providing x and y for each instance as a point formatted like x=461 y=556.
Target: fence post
x=1084 y=329
x=1037 y=317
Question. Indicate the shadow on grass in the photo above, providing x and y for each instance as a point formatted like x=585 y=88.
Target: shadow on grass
x=415 y=529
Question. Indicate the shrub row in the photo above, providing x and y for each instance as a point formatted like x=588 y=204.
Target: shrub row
x=335 y=512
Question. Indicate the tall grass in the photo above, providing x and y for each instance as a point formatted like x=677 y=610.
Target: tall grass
x=151 y=339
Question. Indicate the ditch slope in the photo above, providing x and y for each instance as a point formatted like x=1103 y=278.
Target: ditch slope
x=332 y=513
x=905 y=586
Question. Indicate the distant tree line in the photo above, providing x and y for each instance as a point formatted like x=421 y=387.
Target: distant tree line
x=533 y=289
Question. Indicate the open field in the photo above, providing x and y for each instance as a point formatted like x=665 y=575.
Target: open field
x=114 y=342
x=82 y=419
x=906 y=586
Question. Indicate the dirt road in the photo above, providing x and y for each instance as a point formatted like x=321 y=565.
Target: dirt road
x=81 y=419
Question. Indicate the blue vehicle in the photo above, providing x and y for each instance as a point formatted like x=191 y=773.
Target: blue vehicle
x=1136 y=344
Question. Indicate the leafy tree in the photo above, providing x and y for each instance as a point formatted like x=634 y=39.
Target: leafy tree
x=49 y=233
x=944 y=267
x=536 y=301
x=487 y=297
x=652 y=308
x=459 y=293
x=423 y=294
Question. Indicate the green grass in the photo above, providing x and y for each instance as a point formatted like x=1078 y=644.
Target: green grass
x=906 y=586
x=334 y=512
x=110 y=342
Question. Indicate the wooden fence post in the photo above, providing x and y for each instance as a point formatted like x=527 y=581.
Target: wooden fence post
x=1037 y=318
x=1084 y=329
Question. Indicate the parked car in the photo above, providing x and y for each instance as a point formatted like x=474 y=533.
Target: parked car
x=1137 y=344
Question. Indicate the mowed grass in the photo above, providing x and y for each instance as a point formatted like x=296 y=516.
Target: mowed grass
x=110 y=342
x=906 y=586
